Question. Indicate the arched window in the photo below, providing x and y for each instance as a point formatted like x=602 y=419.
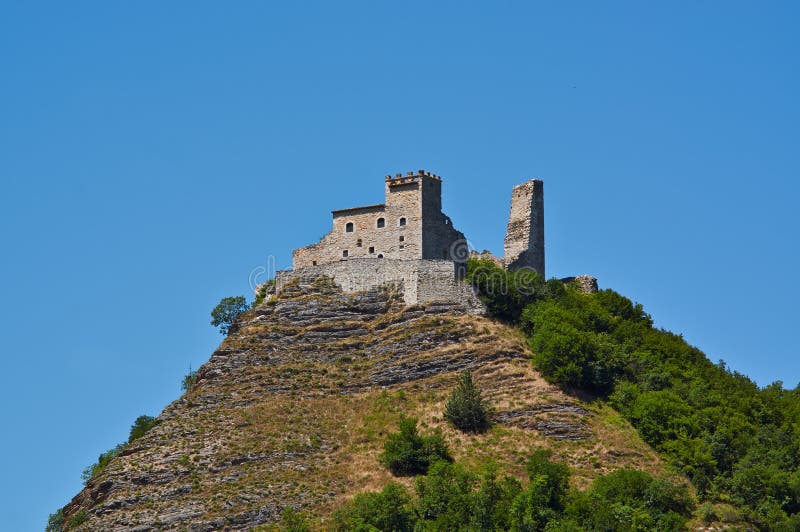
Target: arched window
x=348 y=227
x=402 y=222
x=381 y=223
x=380 y=255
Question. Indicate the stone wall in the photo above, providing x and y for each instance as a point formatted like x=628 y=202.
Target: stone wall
x=524 y=242
x=409 y=225
x=421 y=281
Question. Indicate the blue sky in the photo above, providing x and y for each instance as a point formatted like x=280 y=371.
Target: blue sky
x=153 y=154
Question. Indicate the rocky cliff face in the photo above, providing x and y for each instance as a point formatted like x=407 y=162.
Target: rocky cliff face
x=293 y=408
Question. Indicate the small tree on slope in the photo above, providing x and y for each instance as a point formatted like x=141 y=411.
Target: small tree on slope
x=227 y=311
x=466 y=409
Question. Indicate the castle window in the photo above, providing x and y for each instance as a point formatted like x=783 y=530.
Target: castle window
x=344 y=253
x=380 y=255
x=402 y=222
x=371 y=249
x=349 y=227
x=313 y=263
x=402 y=246
x=358 y=243
x=381 y=223
x=402 y=238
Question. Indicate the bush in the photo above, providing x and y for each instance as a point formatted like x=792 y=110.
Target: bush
x=77 y=519
x=187 y=384
x=466 y=409
x=141 y=426
x=102 y=462
x=506 y=293
x=408 y=453
x=389 y=509
x=55 y=523
x=226 y=312
x=292 y=521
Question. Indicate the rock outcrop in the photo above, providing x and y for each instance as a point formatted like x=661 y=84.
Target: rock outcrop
x=293 y=407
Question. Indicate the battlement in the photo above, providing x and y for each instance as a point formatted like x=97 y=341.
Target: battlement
x=410 y=177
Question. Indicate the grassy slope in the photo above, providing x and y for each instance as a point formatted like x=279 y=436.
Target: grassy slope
x=295 y=415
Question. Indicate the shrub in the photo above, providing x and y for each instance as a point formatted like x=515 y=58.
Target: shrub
x=408 y=452
x=389 y=509
x=226 y=312
x=261 y=294
x=292 y=521
x=55 y=523
x=141 y=426
x=506 y=293
x=77 y=519
x=466 y=409
x=189 y=380
x=102 y=462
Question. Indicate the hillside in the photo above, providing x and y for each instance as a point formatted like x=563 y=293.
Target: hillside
x=293 y=408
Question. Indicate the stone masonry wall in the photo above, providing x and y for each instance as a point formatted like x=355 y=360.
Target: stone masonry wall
x=413 y=227
x=524 y=242
x=422 y=281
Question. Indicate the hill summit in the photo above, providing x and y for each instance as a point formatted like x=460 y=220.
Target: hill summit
x=291 y=411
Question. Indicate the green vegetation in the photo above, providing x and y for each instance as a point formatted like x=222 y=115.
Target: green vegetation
x=738 y=444
x=141 y=426
x=102 y=461
x=466 y=409
x=226 y=312
x=261 y=294
x=408 y=452
x=188 y=380
x=451 y=498
x=138 y=429
x=292 y=521
x=77 y=519
x=55 y=523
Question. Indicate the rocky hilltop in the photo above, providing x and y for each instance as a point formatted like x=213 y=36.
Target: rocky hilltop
x=293 y=407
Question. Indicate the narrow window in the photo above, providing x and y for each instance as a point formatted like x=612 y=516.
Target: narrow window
x=313 y=263
x=402 y=246
x=349 y=227
x=344 y=253
x=381 y=223
x=358 y=243
x=371 y=250
x=402 y=222
x=402 y=239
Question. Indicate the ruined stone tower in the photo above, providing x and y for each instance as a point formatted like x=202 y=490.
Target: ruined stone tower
x=524 y=243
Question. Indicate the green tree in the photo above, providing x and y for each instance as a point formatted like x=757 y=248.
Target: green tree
x=226 y=312
x=141 y=426
x=408 y=453
x=465 y=408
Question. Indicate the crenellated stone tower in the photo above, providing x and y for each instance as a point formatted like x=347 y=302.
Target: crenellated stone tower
x=524 y=243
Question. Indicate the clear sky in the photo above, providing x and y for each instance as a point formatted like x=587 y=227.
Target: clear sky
x=152 y=154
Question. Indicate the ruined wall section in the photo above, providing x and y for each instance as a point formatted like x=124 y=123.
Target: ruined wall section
x=524 y=242
x=440 y=240
x=421 y=281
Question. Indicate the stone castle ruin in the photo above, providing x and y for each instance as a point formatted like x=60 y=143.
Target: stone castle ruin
x=408 y=241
